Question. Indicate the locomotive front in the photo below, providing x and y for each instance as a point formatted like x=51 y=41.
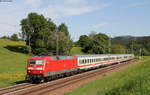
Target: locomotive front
x=35 y=69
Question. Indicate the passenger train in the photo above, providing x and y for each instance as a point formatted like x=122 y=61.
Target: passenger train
x=41 y=68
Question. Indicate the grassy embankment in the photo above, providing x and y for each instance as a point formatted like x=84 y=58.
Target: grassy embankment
x=12 y=62
x=76 y=50
x=134 y=80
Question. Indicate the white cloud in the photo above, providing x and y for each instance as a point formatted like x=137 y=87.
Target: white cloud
x=9 y=24
x=98 y=26
x=136 y=4
x=139 y=3
x=58 y=11
x=74 y=1
x=34 y=3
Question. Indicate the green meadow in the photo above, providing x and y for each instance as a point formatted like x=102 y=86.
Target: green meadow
x=134 y=80
x=76 y=50
x=12 y=62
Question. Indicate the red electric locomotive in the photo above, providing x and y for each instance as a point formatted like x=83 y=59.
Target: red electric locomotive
x=41 y=68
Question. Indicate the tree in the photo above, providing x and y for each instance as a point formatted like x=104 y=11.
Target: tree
x=40 y=34
x=94 y=43
x=36 y=30
x=14 y=37
x=5 y=37
x=63 y=28
x=118 y=49
x=83 y=40
x=100 y=43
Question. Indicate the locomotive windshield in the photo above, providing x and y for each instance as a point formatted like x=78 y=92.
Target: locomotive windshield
x=36 y=62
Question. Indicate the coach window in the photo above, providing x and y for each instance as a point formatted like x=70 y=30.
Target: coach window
x=104 y=59
x=99 y=59
x=82 y=61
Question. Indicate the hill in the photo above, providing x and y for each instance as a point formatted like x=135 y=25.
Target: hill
x=12 y=62
x=134 y=44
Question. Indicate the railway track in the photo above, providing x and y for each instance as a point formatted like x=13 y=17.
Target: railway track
x=14 y=88
x=44 y=88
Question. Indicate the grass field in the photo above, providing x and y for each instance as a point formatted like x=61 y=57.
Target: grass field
x=12 y=62
x=76 y=50
x=134 y=80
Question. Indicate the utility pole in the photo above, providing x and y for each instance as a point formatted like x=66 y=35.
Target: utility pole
x=57 y=44
x=104 y=49
x=29 y=49
x=140 y=55
x=29 y=37
x=109 y=47
x=132 y=48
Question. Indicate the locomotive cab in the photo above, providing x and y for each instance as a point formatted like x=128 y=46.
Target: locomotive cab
x=35 y=69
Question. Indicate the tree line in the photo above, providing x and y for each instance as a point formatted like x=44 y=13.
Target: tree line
x=99 y=44
x=43 y=36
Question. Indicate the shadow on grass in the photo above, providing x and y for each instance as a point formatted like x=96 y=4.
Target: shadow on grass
x=22 y=81
x=18 y=48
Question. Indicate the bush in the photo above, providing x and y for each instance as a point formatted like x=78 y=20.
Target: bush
x=14 y=37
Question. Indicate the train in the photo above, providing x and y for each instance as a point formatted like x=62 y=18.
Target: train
x=43 y=68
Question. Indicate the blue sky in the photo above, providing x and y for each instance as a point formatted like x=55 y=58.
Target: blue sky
x=113 y=17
